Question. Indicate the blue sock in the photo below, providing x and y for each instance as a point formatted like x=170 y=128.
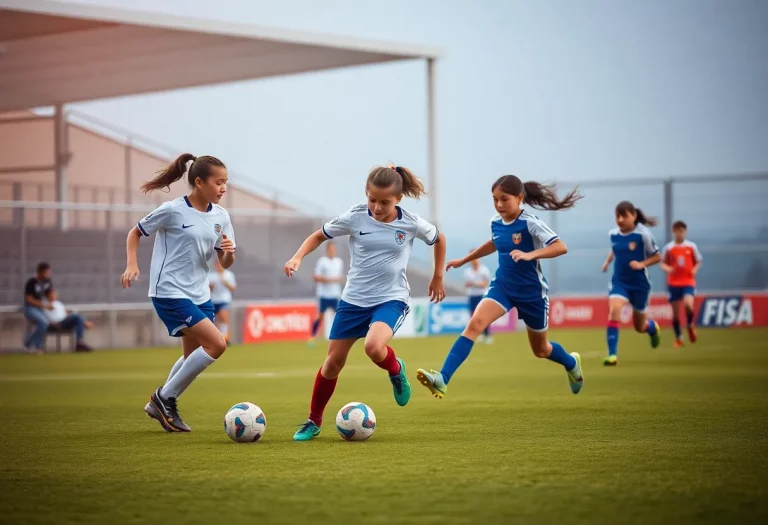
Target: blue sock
x=650 y=327
x=613 y=337
x=459 y=352
x=559 y=355
x=315 y=326
x=676 y=327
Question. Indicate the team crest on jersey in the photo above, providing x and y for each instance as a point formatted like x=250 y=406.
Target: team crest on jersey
x=217 y=228
x=632 y=246
x=400 y=236
x=517 y=238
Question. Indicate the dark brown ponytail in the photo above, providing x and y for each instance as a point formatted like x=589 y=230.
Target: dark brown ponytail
x=401 y=179
x=626 y=207
x=199 y=169
x=536 y=194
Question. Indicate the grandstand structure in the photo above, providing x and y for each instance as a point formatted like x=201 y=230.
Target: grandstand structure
x=69 y=183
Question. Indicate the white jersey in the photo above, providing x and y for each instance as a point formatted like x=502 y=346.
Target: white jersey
x=58 y=314
x=185 y=241
x=379 y=253
x=220 y=294
x=472 y=277
x=333 y=269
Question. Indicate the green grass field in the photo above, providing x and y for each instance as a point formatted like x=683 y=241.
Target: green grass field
x=669 y=436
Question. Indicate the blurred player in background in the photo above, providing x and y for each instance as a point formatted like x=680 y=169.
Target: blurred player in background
x=633 y=250
x=222 y=283
x=681 y=260
x=189 y=230
x=329 y=274
x=522 y=240
x=375 y=299
x=476 y=280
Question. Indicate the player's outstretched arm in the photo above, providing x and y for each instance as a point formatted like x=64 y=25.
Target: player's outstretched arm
x=436 y=287
x=486 y=248
x=309 y=245
x=607 y=262
x=131 y=272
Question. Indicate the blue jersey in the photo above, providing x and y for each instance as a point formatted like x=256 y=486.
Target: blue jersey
x=637 y=245
x=522 y=280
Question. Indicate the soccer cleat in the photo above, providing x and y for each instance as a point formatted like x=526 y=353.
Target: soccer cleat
x=433 y=380
x=611 y=360
x=575 y=376
x=677 y=344
x=692 y=334
x=400 y=385
x=488 y=340
x=167 y=413
x=656 y=337
x=307 y=431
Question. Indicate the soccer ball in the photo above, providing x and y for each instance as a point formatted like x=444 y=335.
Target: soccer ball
x=355 y=421
x=245 y=423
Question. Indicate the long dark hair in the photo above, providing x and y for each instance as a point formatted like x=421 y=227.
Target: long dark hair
x=536 y=194
x=625 y=207
x=200 y=168
x=400 y=179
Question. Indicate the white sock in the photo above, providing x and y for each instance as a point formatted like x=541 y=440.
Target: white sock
x=193 y=365
x=175 y=368
x=224 y=328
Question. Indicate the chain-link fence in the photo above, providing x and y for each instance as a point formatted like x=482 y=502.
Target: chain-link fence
x=726 y=216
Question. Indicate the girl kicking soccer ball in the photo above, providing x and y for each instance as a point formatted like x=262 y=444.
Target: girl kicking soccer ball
x=374 y=302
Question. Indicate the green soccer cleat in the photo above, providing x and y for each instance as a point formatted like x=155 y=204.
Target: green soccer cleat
x=575 y=376
x=611 y=360
x=307 y=431
x=432 y=380
x=655 y=338
x=400 y=385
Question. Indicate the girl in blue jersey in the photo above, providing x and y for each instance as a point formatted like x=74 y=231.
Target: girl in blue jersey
x=633 y=250
x=374 y=302
x=189 y=231
x=521 y=240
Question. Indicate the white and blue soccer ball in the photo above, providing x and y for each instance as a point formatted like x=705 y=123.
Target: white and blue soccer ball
x=355 y=421
x=245 y=423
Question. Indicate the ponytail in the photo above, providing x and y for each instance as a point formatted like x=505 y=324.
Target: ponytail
x=536 y=194
x=626 y=207
x=400 y=179
x=198 y=168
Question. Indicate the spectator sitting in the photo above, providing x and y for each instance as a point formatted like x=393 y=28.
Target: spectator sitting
x=36 y=293
x=65 y=320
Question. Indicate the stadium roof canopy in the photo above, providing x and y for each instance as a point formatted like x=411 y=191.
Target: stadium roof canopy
x=53 y=52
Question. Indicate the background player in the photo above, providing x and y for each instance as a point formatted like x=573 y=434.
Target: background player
x=522 y=240
x=633 y=250
x=476 y=280
x=375 y=299
x=222 y=283
x=681 y=260
x=189 y=229
x=329 y=274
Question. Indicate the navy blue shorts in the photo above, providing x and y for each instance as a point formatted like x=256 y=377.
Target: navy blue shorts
x=676 y=293
x=533 y=312
x=474 y=301
x=217 y=307
x=637 y=298
x=327 y=303
x=178 y=314
x=352 y=322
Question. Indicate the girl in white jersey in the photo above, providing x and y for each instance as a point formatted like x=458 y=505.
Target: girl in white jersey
x=374 y=302
x=222 y=283
x=188 y=229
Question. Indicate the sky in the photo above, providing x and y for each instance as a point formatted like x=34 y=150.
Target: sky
x=547 y=90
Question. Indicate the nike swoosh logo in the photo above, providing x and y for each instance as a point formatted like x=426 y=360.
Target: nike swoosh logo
x=185 y=226
x=496 y=237
x=365 y=233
